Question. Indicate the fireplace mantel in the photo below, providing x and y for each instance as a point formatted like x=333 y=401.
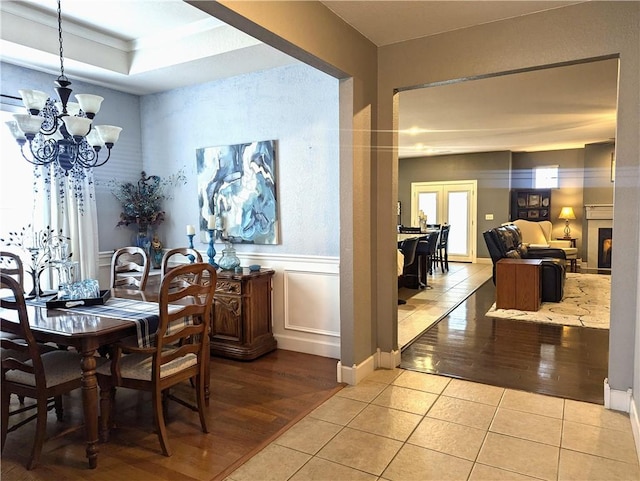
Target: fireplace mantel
x=598 y=211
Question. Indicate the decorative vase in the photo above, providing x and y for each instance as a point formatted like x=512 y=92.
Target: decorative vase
x=229 y=259
x=142 y=238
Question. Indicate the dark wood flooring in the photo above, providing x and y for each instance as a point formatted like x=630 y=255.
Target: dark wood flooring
x=251 y=404
x=563 y=361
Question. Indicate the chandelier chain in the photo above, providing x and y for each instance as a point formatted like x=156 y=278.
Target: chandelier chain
x=62 y=76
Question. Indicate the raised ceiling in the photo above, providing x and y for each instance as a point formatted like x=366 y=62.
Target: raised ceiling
x=144 y=46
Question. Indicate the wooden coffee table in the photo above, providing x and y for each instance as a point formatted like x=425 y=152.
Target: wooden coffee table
x=518 y=284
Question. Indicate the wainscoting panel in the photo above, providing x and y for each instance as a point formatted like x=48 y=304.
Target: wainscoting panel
x=306 y=299
x=307 y=309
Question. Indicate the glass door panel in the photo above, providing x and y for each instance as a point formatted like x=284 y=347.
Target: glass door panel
x=458 y=213
x=428 y=203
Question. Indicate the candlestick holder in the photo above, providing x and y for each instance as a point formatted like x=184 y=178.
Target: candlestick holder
x=211 y=252
x=191 y=257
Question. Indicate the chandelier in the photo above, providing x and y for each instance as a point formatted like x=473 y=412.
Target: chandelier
x=62 y=131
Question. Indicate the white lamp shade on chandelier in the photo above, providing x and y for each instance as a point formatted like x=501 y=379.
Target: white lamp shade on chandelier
x=62 y=131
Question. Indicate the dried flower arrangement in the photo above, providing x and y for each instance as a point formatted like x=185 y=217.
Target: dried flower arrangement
x=142 y=201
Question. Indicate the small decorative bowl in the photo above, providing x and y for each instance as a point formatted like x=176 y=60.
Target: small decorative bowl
x=254 y=267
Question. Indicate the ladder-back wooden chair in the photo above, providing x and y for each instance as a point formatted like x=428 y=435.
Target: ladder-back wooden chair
x=11 y=265
x=133 y=261
x=181 y=350
x=185 y=254
x=29 y=372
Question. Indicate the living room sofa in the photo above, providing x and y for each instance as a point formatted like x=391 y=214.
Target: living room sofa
x=506 y=242
x=538 y=234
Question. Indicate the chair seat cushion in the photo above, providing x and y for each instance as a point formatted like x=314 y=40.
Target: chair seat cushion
x=138 y=366
x=59 y=367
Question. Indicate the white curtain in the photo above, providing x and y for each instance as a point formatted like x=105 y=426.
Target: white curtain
x=69 y=206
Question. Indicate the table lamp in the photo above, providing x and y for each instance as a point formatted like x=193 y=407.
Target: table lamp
x=567 y=213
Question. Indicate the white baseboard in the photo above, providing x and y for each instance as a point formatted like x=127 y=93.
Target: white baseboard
x=634 y=418
x=616 y=399
x=388 y=360
x=315 y=347
x=356 y=373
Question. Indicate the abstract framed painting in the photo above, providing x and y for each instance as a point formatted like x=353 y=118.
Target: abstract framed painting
x=237 y=183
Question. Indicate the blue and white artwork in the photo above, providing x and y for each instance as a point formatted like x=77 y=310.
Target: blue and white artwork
x=237 y=183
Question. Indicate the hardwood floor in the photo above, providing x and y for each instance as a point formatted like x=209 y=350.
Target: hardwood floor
x=251 y=403
x=563 y=361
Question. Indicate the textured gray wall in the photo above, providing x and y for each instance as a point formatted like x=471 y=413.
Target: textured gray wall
x=490 y=169
x=569 y=193
x=295 y=105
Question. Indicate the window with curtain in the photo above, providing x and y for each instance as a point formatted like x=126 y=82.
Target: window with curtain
x=16 y=183
x=47 y=199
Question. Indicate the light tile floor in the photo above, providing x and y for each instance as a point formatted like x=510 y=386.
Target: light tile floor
x=404 y=425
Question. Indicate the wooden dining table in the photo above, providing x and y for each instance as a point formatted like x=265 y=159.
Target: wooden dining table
x=86 y=332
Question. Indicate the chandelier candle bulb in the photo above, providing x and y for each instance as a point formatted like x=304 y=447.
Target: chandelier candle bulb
x=212 y=222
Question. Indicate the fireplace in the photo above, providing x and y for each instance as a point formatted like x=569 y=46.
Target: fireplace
x=599 y=228
x=604 y=248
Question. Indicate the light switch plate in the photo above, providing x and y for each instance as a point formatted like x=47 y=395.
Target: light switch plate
x=488 y=217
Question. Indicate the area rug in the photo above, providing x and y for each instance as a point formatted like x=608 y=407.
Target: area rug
x=585 y=303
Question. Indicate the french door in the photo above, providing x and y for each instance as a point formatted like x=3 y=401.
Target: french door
x=452 y=203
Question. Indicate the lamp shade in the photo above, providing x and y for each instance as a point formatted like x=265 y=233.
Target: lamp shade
x=567 y=213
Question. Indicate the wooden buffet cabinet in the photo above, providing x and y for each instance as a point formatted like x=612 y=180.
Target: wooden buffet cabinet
x=241 y=327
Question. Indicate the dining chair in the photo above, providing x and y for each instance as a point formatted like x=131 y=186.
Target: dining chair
x=11 y=264
x=428 y=249
x=181 y=350
x=133 y=261
x=410 y=269
x=28 y=371
x=183 y=253
x=443 y=248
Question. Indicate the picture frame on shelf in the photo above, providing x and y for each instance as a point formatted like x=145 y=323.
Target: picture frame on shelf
x=534 y=214
x=533 y=200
